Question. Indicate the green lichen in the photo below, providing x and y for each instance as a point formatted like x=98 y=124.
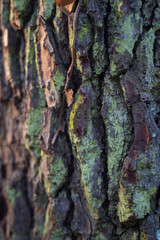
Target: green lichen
x=84 y=42
x=86 y=73
x=141 y=202
x=30 y=52
x=84 y=33
x=100 y=236
x=4 y=12
x=12 y=195
x=57 y=176
x=144 y=236
x=21 y=5
x=152 y=190
x=98 y=55
x=88 y=153
x=48 y=7
x=118 y=130
x=86 y=3
x=34 y=127
x=128 y=25
x=131 y=234
x=36 y=112
x=40 y=228
x=136 y=198
x=127 y=43
x=124 y=206
x=58 y=234
x=18 y=12
x=57 y=173
x=30 y=47
x=58 y=19
x=48 y=220
x=59 y=79
x=145 y=56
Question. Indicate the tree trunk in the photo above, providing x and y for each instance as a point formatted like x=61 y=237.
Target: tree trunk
x=100 y=179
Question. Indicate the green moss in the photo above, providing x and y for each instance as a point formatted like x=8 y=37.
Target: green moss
x=12 y=195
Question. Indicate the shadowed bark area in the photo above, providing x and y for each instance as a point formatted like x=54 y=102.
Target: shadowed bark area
x=101 y=178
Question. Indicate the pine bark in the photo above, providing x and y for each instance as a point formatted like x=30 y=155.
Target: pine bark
x=101 y=178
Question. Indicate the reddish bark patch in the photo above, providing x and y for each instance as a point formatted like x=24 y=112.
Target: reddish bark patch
x=107 y=231
x=141 y=134
x=81 y=115
x=83 y=58
x=46 y=65
x=130 y=91
x=45 y=133
x=131 y=176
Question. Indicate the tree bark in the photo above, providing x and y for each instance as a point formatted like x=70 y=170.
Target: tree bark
x=101 y=178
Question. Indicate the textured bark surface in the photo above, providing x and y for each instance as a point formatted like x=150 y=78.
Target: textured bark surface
x=101 y=178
